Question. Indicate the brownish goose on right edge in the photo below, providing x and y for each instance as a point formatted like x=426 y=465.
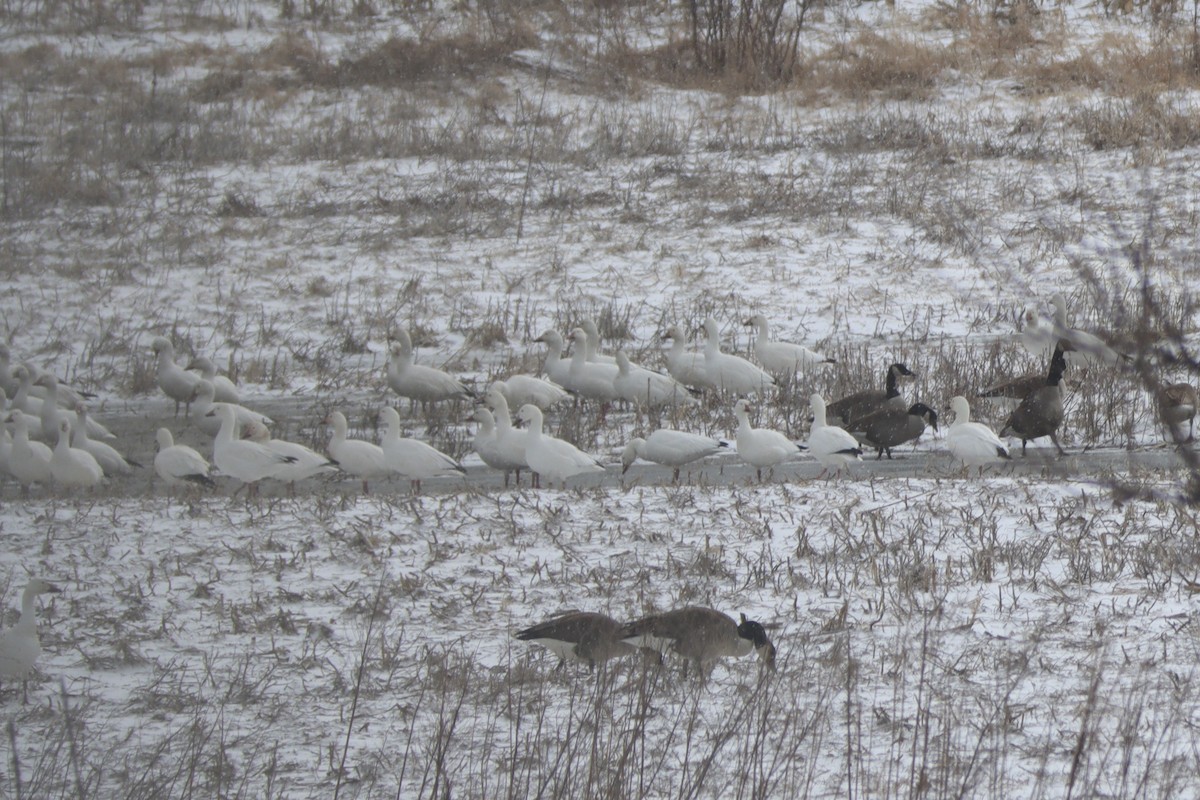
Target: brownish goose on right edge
x=702 y=635
x=584 y=636
x=1041 y=412
x=1177 y=405
x=852 y=407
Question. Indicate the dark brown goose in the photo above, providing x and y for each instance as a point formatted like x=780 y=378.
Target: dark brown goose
x=1177 y=405
x=702 y=635
x=1041 y=412
x=853 y=407
x=584 y=636
x=890 y=427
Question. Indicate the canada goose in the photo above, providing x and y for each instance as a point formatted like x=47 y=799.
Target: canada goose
x=19 y=645
x=416 y=381
x=521 y=389
x=308 y=464
x=1041 y=412
x=782 y=358
x=890 y=427
x=176 y=382
x=554 y=459
x=210 y=424
x=972 y=443
x=71 y=467
x=584 y=636
x=247 y=461
x=412 y=458
x=670 y=448
x=702 y=635
x=590 y=379
x=646 y=388
x=224 y=390
x=178 y=464
x=1176 y=405
x=28 y=462
x=510 y=441
x=761 y=447
x=112 y=462
x=849 y=408
x=362 y=459
x=832 y=446
x=557 y=368
x=685 y=366
x=729 y=373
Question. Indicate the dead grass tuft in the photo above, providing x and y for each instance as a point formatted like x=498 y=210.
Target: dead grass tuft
x=895 y=67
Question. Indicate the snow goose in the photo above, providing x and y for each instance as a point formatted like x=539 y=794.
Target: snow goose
x=29 y=461
x=510 y=441
x=25 y=401
x=247 y=461
x=584 y=636
x=487 y=445
x=1177 y=405
x=1087 y=347
x=7 y=382
x=308 y=463
x=176 y=382
x=890 y=427
x=521 y=389
x=52 y=412
x=1041 y=412
x=682 y=365
x=360 y=458
x=670 y=448
x=834 y=447
x=6 y=444
x=701 y=635
x=19 y=645
x=647 y=388
x=210 y=424
x=729 y=373
x=1037 y=335
x=71 y=467
x=593 y=342
x=590 y=379
x=556 y=367
x=413 y=458
x=850 y=408
x=972 y=443
x=553 y=459
x=112 y=462
x=782 y=358
x=418 y=382
x=178 y=464
x=761 y=447
x=224 y=390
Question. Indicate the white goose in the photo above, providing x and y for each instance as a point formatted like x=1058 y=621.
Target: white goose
x=557 y=368
x=487 y=445
x=210 y=424
x=178 y=464
x=729 y=373
x=670 y=448
x=1037 y=335
x=972 y=443
x=783 y=358
x=6 y=444
x=590 y=379
x=834 y=447
x=1085 y=347
x=25 y=400
x=112 y=462
x=413 y=458
x=247 y=461
x=224 y=390
x=418 y=382
x=52 y=411
x=761 y=447
x=593 y=342
x=510 y=441
x=19 y=645
x=553 y=459
x=360 y=458
x=308 y=463
x=682 y=365
x=176 y=382
x=521 y=389
x=29 y=461
x=70 y=467
x=647 y=388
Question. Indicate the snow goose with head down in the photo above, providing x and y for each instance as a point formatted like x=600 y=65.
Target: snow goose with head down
x=670 y=448
x=178 y=464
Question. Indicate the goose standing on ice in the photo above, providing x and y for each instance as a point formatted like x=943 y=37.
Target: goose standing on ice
x=19 y=645
x=891 y=427
x=360 y=458
x=972 y=443
x=729 y=373
x=852 y=407
x=487 y=445
x=670 y=448
x=224 y=390
x=761 y=447
x=831 y=445
x=418 y=382
x=1041 y=411
x=247 y=461
x=782 y=358
x=552 y=458
x=683 y=365
x=178 y=464
x=28 y=462
x=176 y=382
x=510 y=441
x=71 y=467
x=412 y=458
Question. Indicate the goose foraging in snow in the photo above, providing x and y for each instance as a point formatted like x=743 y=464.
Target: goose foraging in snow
x=584 y=636
x=682 y=365
x=71 y=467
x=308 y=463
x=247 y=461
x=178 y=464
x=112 y=462
x=224 y=390
x=590 y=379
x=521 y=389
x=647 y=388
x=701 y=635
x=19 y=645
x=670 y=448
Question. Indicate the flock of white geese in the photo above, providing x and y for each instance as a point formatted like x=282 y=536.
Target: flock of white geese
x=51 y=439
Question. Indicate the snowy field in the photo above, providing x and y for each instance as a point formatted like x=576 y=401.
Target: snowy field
x=283 y=187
